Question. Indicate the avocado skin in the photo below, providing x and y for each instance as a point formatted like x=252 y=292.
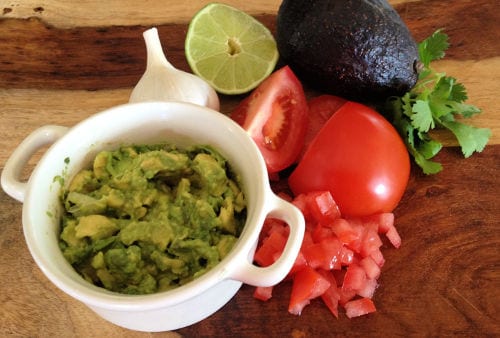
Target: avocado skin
x=358 y=49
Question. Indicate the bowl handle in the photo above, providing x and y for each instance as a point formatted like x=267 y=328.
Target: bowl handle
x=10 y=180
x=276 y=272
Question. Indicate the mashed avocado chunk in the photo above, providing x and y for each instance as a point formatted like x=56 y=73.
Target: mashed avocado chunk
x=145 y=219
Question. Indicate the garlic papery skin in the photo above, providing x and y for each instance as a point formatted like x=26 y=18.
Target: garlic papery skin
x=163 y=82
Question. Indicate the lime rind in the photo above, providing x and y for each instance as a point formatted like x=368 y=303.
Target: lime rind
x=208 y=52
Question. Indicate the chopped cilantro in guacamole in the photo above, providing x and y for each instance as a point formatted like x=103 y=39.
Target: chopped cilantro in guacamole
x=145 y=219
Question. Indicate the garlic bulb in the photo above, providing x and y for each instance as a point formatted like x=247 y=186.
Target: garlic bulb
x=163 y=82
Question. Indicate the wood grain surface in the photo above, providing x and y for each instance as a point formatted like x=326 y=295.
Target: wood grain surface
x=63 y=61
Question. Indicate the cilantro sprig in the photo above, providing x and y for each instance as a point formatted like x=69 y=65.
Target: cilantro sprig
x=435 y=102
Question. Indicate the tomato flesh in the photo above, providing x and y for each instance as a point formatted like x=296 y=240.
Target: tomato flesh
x=331 y=296
x=325 y=254
x=360 y=158
x=307 y=284
x=354 y=278
x=321 y=108
x=275 y=115
x=371 y=267
x=271 y=248
x=263 y=293
x=322 y=206
x=359 y=307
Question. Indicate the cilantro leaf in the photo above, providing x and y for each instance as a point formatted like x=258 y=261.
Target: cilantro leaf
x=422 y=152
x=448 y=97
x=422 y=118
x=433 y=47
x=434 y=102
x=406 y=105
x=428 y=167
x=457 y=92
x=470 y=138
x=429 y=148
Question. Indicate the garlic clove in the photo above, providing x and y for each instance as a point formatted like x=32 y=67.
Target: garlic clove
x=163 y=82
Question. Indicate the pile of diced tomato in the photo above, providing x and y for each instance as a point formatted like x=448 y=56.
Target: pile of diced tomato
x=340 y=259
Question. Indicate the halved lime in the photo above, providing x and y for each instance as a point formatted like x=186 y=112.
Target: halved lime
x=229 y=49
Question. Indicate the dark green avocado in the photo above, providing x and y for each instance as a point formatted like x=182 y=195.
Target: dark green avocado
x=358 y=49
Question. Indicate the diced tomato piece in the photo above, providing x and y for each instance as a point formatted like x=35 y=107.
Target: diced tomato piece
x=331 y=299
x=263 y=292
x=331 y=296
x=271 y=248
x=345 y=295
x=273 y=224
x=372 y=269
x=325 y=254
x=270 y=225
x=378 y=257
x=346 y=256
x=333 y=252
x=348 y=232
x=359 y=307
x=322 y=206
x=308 y=239
x=385 y=224
x=371 y=242
x=300 y=201
x=355 y=278
x=344 y=231
x=384 y=221
x=280 y=226
x=368 y=289
x=393 y=236
x=299 y=263
x=370 y=226
x=321 y=232
x=314 y=255
x=307 y=284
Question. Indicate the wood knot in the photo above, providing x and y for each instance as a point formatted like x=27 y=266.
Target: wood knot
x=434 y=191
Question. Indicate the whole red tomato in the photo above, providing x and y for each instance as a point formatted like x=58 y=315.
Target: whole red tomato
x=360 y=158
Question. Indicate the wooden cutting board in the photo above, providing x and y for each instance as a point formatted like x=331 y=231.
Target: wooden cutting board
x=61 y=62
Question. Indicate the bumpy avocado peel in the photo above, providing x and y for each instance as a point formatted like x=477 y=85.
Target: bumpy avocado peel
x=357 y=49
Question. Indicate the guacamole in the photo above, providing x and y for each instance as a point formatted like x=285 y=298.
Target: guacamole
x=145 y=219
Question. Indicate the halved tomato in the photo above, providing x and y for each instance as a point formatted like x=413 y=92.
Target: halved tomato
x=321 y=108
x=360 y=158
x=276 y=117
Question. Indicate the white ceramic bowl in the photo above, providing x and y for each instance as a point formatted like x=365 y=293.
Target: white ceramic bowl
x=144 y=123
